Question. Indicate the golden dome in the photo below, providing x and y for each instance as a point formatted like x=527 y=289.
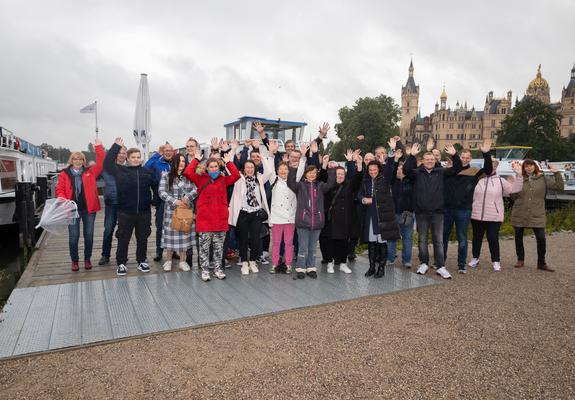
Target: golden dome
x=538 y=83
x=443 y=94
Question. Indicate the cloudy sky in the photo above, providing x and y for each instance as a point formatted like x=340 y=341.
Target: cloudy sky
x=211 y=62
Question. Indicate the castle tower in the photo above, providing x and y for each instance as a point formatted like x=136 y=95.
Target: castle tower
x=539 y=88
x=443 y=99
x=567 y=127
x=409 y=104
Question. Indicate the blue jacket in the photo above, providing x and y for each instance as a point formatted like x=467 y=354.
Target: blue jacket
x=158 y=165
x=110 y=189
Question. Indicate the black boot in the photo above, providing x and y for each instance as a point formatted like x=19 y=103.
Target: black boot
x=371 y=251
x=382 y=251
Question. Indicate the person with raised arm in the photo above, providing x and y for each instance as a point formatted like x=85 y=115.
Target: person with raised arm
x=212 y=209
x=310 y=216
x=136 y=186
x=77 y=182
x=429 y=203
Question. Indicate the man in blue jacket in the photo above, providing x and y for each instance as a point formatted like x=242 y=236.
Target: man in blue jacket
x=135 y=187
x=111 y=210
x=159 y=163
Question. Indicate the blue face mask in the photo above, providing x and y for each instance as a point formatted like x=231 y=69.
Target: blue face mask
x=214 y=175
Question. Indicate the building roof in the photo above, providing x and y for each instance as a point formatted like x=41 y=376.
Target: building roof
x=538 y=82
x=279 y=122
x=411 y=84
x=493 y=106
x=570 y=89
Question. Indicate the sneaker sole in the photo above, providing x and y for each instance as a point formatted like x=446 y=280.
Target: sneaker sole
x=144 y=270
x=121 y=273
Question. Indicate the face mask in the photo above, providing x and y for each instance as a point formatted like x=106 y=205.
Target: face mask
x=214 y=175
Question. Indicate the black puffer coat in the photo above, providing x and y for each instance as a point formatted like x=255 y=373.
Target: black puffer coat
x=341 y=218
x=380 y=215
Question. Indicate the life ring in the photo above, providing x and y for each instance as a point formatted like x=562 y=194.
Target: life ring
x=17 y=144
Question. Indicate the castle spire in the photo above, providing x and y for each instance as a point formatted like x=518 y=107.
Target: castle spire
x=411 y=68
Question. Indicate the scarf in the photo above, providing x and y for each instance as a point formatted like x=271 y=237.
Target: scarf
x=251 y=191
x=77 y=174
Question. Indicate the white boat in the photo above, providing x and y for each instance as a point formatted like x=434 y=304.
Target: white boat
x=509 y=155
x=20 y=161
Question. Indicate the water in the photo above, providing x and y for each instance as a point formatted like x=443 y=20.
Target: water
x=13 y=260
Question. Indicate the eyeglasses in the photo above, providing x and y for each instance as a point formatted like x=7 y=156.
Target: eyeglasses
x=77 y=159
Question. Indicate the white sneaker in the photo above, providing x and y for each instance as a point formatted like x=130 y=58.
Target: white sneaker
x=245 y=268
x=253 y=266
x=344 y=268
x=330 y=269
x=422 y=270
x=167 y=266
x=184 y=266
x=474 y=262
x=240 y=261
x=219 y=274
x=496 y=266
x=443 y=272
x=206 y=276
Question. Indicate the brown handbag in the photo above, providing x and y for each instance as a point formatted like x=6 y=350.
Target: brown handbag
x=182 y=219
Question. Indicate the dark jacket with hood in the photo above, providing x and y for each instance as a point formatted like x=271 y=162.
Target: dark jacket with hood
x=459 y=188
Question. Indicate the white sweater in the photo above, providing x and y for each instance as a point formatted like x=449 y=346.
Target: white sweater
x=284 y=201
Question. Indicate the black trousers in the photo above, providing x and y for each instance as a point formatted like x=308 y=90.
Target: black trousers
x=492 y=230
x=248 y=229
x=128 y=223
x=160 y=228
x=541 y=244
x=335 y=250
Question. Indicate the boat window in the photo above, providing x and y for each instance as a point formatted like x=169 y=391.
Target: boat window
x=8 y=177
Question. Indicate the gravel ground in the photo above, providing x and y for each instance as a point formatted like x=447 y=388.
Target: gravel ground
x=486 y=335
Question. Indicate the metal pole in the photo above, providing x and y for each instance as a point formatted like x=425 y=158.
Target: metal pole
x=96 y=114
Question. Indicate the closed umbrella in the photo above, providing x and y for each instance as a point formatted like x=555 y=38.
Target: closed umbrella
x=142 y=118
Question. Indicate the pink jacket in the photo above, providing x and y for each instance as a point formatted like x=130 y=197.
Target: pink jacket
x=488 y=197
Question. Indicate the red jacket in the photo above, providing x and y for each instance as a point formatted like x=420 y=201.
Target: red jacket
x=212 y=203
x=89 y=176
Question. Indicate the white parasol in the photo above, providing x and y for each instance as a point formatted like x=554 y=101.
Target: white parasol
x=142 y=118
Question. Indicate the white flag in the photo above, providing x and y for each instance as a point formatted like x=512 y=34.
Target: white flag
x=90 y=108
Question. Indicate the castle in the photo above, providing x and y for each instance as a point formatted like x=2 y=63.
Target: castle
x=469 y=127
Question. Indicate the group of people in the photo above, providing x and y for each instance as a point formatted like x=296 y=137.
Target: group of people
x=259 y=200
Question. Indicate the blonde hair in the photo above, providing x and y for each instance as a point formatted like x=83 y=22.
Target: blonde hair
x=77 y=154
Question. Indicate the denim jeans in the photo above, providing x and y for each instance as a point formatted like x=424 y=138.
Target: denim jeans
x=307 y=240
x=461 y=218
x=406 y=243
x=424 y=222
x=74 y=235
x=110 y=221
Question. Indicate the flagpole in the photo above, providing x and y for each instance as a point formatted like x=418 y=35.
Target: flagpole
x=96 y=114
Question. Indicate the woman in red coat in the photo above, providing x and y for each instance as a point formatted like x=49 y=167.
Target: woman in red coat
x=78 y=182
x=211 y=209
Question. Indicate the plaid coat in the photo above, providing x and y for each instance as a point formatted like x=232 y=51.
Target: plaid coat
x=171 y=239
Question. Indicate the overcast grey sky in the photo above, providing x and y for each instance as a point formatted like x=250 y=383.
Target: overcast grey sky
x=211 y=62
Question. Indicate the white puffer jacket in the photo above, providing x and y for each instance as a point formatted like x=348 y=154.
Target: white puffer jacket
x=284 y=202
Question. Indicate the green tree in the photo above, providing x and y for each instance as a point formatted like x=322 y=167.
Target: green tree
x=376 y=118
x=536 y=124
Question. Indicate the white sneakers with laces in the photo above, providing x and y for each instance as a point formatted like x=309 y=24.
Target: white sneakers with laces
x=474 y=262
x=344 y=268
x=443 y=272
x=206 y=275
x=253 y=266
x=245 y=268
x=423 y=268
x=167 y=266
x=184 y=266
x=330 y=269
x=496 y=266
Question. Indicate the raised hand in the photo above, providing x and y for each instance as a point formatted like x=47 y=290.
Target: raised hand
x=273 y=146
x=215 y=143
x=430 y=144
x=248 y=142
x=516 y=165
x=349 y=154
x=198 y=154
x=225 y=145
x=392 y=142
x=303 y=147
x=325 y=161
x=256 y=143
x=234 y=144
x=260 y=128
x=97 y=142
x=415 y=148
x=486 y=146
x=356 y=153
x=323 y=129
x=314 y=148
x=449 y=149
x=119 y=141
